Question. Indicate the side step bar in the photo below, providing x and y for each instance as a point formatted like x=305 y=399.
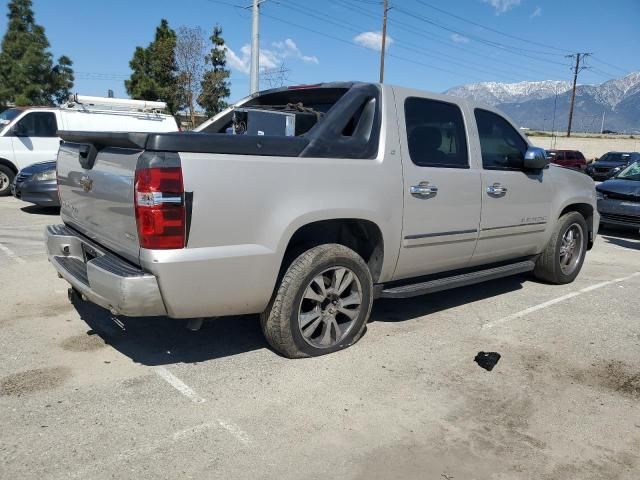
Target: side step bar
x=456 y=281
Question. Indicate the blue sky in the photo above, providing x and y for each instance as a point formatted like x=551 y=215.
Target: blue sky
x=435 y=44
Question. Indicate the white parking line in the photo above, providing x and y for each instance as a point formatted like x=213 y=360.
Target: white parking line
x=11 y=254
x=178 y=384
x=540 y=306
x=188 y=392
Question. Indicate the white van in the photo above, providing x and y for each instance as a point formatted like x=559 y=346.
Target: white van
x=28 y=135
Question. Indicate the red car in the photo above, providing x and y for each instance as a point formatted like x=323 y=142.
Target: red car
x=568 y=158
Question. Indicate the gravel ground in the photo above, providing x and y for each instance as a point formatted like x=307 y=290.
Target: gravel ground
x=85 y=395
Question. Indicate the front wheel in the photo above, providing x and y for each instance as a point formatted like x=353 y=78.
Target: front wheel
x=562 y=259
x=6 y=177
x=322 y=303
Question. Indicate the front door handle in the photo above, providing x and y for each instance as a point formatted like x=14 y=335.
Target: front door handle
x=423 y=190
x=497 y=190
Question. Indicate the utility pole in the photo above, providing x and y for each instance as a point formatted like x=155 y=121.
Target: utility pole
x=384 y=39
x=577 y=69
x=255 y=46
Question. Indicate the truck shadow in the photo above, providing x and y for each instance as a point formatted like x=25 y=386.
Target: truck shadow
x=161 y=340
x=392 y=310
x=627 y=238
x=40 y=210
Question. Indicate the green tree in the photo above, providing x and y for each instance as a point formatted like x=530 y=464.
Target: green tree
x=28 y=75
x=154 y=70
x=215 y=83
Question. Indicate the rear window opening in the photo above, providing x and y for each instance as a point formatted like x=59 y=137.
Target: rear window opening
x=306 y=107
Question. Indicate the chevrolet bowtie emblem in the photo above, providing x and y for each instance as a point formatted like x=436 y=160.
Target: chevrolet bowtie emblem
x=87 y=183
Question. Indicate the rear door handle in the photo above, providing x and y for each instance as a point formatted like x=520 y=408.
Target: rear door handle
x=497 y=190
x=423 y=190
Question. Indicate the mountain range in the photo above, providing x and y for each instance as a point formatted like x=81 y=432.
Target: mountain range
x=532 y=104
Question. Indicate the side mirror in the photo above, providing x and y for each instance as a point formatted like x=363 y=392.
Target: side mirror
x=535 y=159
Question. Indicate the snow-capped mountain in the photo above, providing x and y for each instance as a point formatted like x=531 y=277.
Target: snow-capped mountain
x=532 y=103
x=494 y=93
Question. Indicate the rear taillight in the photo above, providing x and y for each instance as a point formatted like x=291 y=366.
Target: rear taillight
x=160 y=209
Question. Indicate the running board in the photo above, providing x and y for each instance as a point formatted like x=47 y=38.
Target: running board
x=456 y=281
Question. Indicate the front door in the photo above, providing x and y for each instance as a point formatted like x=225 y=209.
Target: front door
x=37 y=140
x=442 y=190
x=516 y=203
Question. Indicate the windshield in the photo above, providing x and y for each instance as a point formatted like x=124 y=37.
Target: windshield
x=632 y=172
x=8 y=115
x=615 y=157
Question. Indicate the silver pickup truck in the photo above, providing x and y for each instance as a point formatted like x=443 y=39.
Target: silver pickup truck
x=304 y=204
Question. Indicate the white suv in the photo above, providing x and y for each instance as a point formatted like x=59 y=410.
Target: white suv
x=29 y=135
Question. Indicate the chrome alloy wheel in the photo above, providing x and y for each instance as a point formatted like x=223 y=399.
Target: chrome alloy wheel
x=330 y=307
x=571 y=248
x=4 y=181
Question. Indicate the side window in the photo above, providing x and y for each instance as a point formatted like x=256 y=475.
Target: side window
x=435 y=133
x=571 y=156
x=39 y=124
x=502 y=146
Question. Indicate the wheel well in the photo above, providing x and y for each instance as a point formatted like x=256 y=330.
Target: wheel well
x=9 y=164
x=586 y=211
x=361 y=236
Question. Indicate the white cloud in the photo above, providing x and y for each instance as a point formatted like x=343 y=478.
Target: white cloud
x=536 y=13
x=459 y=38
x=372 y=40
x=269 y=57
x=502 y=6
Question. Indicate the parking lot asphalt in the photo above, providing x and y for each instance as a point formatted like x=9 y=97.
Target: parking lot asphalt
x=86 y=395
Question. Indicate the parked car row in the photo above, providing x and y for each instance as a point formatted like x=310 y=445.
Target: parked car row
x=29 y=139
x=611 y=164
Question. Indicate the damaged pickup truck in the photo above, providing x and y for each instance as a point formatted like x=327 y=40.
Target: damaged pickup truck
x=304 y=204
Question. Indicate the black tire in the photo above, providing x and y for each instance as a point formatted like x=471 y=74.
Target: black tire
x=280 y=323
x=5 y=189
x=548 y=267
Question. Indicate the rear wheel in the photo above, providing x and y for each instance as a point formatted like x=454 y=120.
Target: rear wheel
x=562 y=259
x=6 y=177
x=322 y=303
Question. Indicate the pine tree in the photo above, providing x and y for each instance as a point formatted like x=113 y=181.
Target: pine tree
x=215 y=84
x=28 y=75
x=155 y=71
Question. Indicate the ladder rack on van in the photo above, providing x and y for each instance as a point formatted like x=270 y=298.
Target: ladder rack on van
x=88 y=103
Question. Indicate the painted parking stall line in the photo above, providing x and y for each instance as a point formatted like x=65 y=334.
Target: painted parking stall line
x=540 y=306
x=178 y=384
x=11 y=254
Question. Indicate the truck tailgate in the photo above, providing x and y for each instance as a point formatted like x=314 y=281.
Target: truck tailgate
x=99 y=201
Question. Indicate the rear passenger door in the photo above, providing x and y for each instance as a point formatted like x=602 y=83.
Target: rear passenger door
x=516 y=203
x=441 y=189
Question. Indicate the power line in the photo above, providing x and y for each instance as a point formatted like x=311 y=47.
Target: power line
x=412 y=47
x=349 y=42
x=414 y=30
x=520 y=51
x=624 y=70
x=515 y=37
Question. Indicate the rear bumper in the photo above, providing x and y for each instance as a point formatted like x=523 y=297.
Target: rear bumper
x=102 y=277
x=40 y=193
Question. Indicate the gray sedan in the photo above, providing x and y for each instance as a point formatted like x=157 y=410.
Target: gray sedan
x=37 y=184
x=619 y=198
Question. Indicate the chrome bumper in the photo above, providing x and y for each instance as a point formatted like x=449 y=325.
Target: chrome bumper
x=102 y=277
